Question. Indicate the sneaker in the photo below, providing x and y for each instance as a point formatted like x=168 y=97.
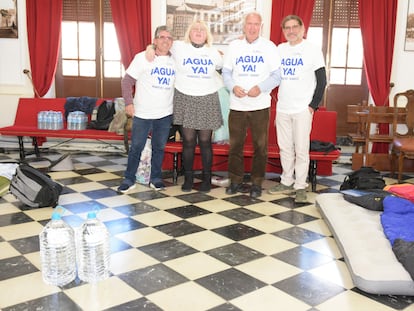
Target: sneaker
x=233 y=188
x=157 y=185
x=280 y=188
x=255 y=191
x=301 y=196
x=125 y=187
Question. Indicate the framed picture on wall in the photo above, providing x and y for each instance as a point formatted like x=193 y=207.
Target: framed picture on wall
x=8 y=19
x=409 y=30
x=223 y=17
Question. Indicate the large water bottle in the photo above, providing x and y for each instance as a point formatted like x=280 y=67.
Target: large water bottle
x=57 y=252
x=93 y=252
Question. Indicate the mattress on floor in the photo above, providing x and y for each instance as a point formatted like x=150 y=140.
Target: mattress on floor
x=367 y=252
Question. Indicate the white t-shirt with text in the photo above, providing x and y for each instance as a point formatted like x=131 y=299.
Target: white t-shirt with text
x=299 y=63
x=196 y=68
x=154 y=88
x=251 y=64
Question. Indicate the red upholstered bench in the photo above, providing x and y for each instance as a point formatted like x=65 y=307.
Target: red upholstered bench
x=323 y=129
x=25 y=125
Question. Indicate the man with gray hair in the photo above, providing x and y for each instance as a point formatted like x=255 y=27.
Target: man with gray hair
x=151 y=106
x=251 y=70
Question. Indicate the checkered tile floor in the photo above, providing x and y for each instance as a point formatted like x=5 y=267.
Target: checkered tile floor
x=185 y=251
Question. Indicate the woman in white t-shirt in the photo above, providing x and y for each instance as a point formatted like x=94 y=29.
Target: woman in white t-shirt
x=196 y=101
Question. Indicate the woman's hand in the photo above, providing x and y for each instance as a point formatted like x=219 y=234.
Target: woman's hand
x=150 y=52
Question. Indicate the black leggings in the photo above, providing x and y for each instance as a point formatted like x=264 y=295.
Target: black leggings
x=190 y=138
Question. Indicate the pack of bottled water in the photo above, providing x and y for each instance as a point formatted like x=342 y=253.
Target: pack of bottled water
x=50 y=120
x=77 y=120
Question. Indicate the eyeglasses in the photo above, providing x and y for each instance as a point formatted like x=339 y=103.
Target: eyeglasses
x=294 y=27
x=165 y=38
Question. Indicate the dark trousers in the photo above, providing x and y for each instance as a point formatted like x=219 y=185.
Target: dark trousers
x=239 y=122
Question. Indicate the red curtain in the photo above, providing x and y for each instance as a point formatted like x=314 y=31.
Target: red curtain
x=43 y=34
x=378 y=41
x=281 y=8
x=132 y=20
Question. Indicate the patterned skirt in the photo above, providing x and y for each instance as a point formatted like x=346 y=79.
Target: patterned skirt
x=197 y=112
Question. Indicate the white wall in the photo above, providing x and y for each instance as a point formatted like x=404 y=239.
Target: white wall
x=403 y=62
x=14 y=57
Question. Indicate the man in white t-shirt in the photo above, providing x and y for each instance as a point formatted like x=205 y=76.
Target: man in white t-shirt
x=251 y=70
x=151 y=107
x=300 y=92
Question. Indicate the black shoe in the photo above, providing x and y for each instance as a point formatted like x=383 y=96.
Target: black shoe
x=255 y=191
x=233 y=188
x=206 y=183
x=188 y=182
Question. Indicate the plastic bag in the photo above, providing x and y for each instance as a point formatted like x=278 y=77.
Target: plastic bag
x=144 y=169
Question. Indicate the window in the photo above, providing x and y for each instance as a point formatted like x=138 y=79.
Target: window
x=335 y=26
x=90 y=62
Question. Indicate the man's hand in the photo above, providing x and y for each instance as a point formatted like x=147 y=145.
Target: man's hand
x=254 y=91
x=239 y=91
x=130 y=110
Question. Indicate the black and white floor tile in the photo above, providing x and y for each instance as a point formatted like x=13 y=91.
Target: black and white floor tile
x=180 y=251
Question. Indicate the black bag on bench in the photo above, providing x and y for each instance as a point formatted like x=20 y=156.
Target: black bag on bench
x=322 y=146
x=105 y=115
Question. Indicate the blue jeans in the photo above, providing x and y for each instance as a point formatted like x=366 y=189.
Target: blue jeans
x=160 y=129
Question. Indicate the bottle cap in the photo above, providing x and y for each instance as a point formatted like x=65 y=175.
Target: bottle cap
x=58 y=212
x=56 y=216
x=91 y=215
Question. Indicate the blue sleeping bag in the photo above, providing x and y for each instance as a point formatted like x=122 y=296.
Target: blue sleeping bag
x=398 y=219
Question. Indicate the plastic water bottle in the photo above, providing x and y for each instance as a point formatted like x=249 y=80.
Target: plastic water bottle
x=55 y=120
x=40 y=120
x=60 y=120
x=78 y=121
x=70 y=121
x=93 y=252
x=49 y=120
x=57 y=252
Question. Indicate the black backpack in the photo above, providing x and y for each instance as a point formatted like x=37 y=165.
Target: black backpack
x=364 y=178
x=372 y=199
x=104 y=116
x=34 y=188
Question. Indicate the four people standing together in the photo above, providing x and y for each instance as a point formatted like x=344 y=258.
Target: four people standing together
x=252 y=67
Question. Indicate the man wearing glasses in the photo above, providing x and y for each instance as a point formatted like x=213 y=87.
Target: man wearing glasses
x=151 y=106
x=300 y=92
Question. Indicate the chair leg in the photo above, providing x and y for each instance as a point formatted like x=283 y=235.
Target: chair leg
x=400 y=166
x=393 y=161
